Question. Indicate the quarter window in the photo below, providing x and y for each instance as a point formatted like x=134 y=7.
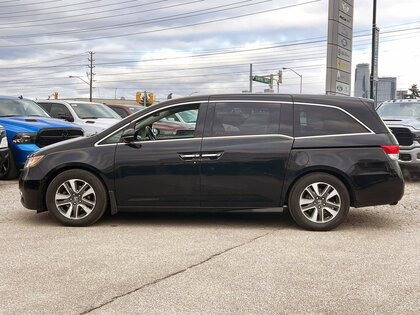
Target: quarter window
x=318 y=121
x=236 y=119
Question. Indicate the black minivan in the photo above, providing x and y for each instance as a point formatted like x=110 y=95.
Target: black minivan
x=317 y=155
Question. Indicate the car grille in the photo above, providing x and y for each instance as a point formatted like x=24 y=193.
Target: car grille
x=403 y=135
x=49 y=136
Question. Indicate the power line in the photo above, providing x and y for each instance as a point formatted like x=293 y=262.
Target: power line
x=65 y=11
x=98 y=12
x=26 y=4
x=145 y=22
x=162 y=29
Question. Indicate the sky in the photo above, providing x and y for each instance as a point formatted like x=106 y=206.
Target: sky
x=190 y=47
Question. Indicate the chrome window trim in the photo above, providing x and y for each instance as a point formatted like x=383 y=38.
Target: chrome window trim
x=343 y=110
x=336 y=135
x=251 y=136
x=243 y=101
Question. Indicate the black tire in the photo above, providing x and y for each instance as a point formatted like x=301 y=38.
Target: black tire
x=99 y=198
x=8 y=169
x=325 y=219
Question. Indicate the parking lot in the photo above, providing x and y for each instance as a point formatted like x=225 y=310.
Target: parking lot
x=210 y=263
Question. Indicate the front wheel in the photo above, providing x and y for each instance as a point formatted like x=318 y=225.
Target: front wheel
x=8 y=168
x=76 y=198
x=319 y=202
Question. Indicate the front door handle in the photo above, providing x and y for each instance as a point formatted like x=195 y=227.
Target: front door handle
x=212 y=156
x=189 y=156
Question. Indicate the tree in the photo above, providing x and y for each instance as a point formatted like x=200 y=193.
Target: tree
x=415 y=92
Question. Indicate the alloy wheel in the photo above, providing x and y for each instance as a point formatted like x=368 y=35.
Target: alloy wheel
x=320 y=202
x=75 y=199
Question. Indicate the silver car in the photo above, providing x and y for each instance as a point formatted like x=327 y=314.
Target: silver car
x=403 y=118
x=92 y=117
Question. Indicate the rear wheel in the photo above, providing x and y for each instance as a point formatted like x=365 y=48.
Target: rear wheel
x=8 y=168
x=319 y=202
x=76 y=198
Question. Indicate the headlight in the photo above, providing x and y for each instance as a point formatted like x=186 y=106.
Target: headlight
x=24 y=138
x=32 y=161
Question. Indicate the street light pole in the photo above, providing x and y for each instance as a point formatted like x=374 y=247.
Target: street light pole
x=301 y=77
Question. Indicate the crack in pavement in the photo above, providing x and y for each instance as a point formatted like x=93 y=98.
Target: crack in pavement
x=175 y=273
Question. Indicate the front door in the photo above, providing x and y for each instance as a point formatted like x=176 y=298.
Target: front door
x=161 y=168
x=244 y=153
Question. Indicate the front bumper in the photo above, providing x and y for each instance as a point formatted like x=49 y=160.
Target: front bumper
x=410 y=155
x=32 y=189
x=21 y=151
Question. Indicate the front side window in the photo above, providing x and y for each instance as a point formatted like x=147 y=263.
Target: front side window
x=163 y=125
x=20 y=108
x=236 y=119
x=321 y=120
x=93 y=110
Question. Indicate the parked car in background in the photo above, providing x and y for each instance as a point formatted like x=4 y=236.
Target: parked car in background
x=403 y=118
x=92 y=117
x=4 y=153
x=28 y=127
x=318 y=155
x=126 y=110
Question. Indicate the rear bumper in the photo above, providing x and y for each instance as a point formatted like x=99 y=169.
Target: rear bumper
x=380 y=189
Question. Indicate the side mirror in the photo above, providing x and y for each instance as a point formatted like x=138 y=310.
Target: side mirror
x=65 y=117
x=129 y=135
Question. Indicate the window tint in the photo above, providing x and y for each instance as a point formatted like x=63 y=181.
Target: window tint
x=46 y=106
x=165 y=125
x=319 y=120
x=235 y=119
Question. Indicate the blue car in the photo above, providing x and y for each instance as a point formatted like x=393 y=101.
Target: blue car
x=28 y=127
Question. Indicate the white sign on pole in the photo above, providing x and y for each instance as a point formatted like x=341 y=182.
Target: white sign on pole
x=340 y=45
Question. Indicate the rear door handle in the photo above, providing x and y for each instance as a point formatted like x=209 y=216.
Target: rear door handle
x=212 y=156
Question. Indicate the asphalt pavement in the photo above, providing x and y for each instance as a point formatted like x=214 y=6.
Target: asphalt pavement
x=226 y=263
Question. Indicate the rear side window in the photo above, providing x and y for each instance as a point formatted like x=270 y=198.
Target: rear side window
x=236 y=119
x=319 y=121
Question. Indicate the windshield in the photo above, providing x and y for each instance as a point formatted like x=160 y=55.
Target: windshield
x=20 y=108
x=405 y=109
x=135 y=109
x=93 y=110
x=189 y=116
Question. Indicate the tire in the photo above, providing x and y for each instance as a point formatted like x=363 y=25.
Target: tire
x=76 y=198
x=8 y=169
x=319 y=202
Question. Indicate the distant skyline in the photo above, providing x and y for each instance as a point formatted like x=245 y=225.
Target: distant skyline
x=196 y=46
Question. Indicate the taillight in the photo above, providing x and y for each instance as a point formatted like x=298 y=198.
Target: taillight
x=392 y=151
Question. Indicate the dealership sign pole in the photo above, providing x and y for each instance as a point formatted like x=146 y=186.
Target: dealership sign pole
x=340 y=44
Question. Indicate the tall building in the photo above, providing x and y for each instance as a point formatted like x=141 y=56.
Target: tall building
x=362 y=81
x=386 y=89
x=402 y=94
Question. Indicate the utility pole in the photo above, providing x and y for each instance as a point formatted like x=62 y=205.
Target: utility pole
x=145 y=99
x=250 y=78
x=374 y=66
x=91 y=74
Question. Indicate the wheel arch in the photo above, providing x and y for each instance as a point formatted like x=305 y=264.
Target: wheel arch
x=328 y=170
x=56 y=171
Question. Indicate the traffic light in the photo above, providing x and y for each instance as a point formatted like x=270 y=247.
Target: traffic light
x=150 y=98
x=280 y=76
x=138 y=97
x=56 y=95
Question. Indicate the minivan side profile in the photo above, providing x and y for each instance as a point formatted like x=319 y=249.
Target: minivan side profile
x=317 y=155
